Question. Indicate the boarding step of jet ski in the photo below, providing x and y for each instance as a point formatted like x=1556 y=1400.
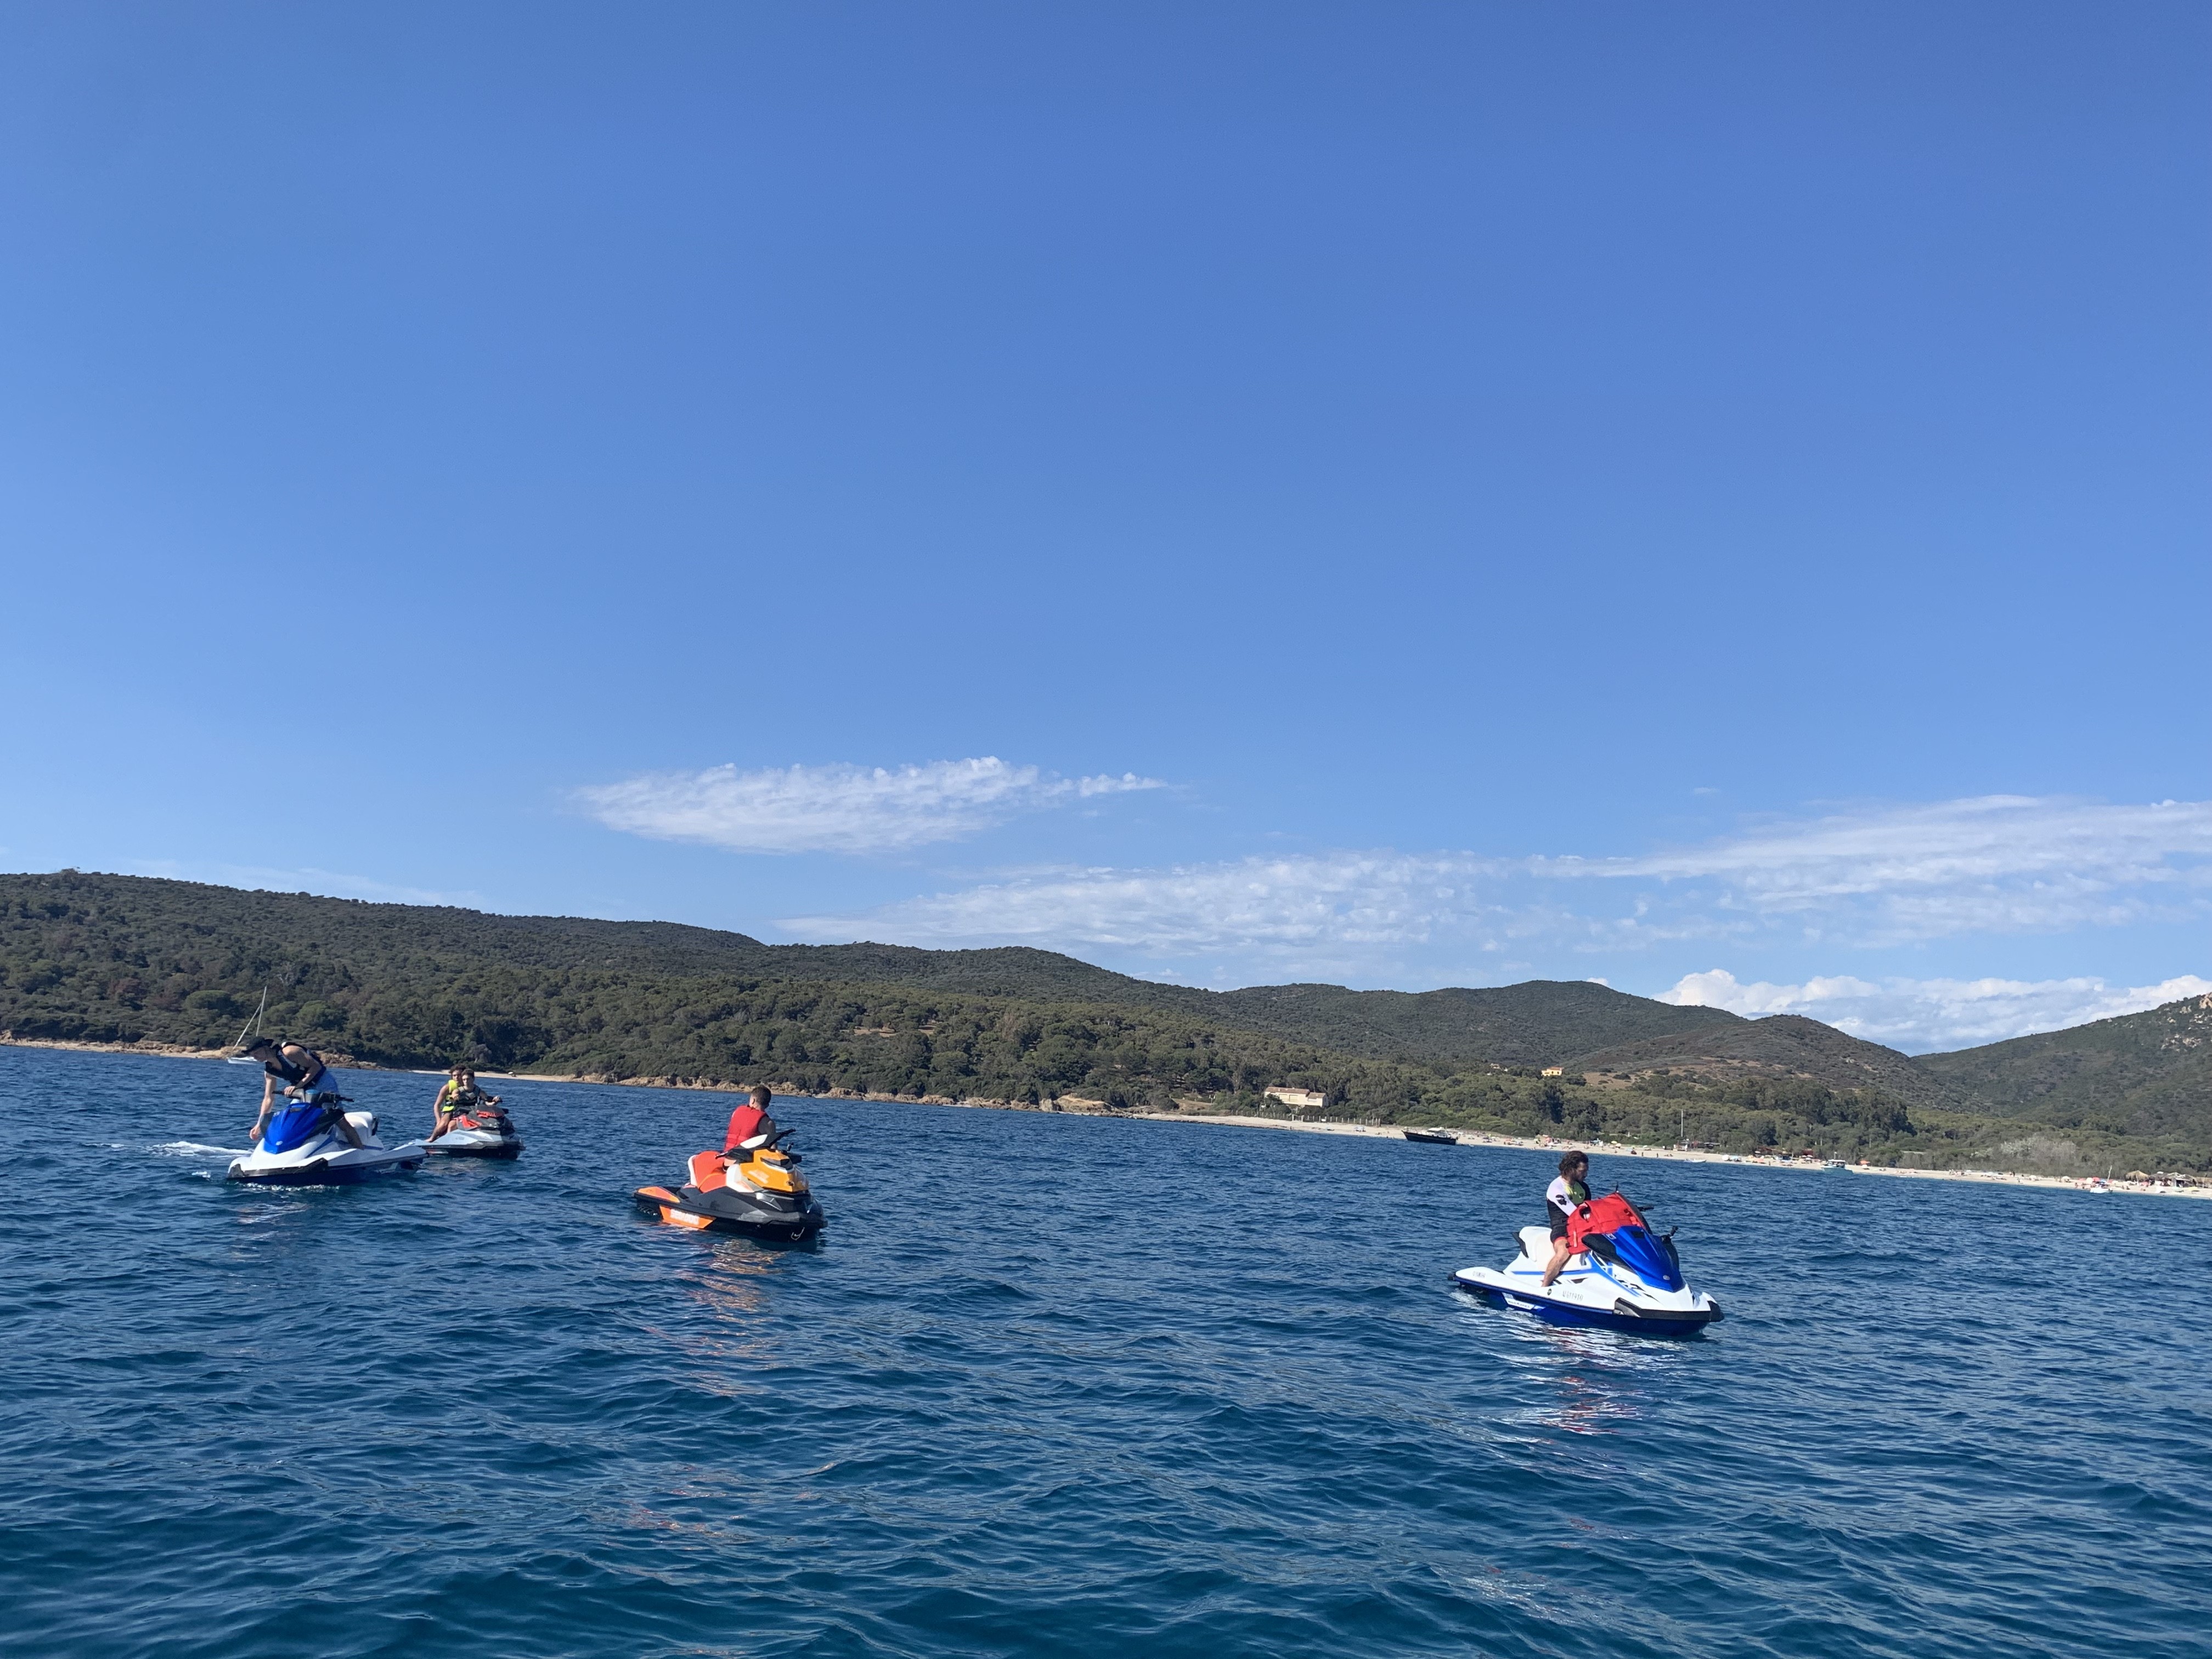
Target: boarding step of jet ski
x=478 y=1132
x=304 y=1146
x=1619 y=1275
x=755 y=1189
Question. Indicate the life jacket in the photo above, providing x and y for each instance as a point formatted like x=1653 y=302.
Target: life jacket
x=744 y=1123
x=1605 y=1216
x=291 y=1076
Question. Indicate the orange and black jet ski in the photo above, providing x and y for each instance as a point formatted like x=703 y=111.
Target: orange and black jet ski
x=755 y=1189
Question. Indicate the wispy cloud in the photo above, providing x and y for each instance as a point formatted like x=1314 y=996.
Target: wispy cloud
x=838 y=809
x=1873 y=878
x=329 y=883
x=1316 y=913
x=1924 y=1015
x=1990 y=865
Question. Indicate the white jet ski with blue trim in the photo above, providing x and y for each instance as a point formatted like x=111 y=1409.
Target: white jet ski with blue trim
x=1619 y=1276
x=304 y=1146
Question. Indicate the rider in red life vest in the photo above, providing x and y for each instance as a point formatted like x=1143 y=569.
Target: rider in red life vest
x=747 y=1120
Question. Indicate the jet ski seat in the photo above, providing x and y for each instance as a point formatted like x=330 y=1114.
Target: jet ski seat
x=707 y=1171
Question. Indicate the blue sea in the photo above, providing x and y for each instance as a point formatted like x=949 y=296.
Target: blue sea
x=1059 y=1386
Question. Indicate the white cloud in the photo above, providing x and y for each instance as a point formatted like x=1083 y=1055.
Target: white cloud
x=329 y=883
x=1304 y=913
x=837 y=809
x=1869 y=879
x=1993 y=863
x=1924 y=1015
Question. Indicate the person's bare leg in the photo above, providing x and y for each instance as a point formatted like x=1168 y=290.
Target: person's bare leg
x=1559 y=1253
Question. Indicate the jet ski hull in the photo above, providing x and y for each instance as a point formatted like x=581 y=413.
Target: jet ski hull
x=469 y=1143
x=327 y=1158
x=326 y=1172
x=1659 y=1322
x=1598 y=1290
x=725 y=1212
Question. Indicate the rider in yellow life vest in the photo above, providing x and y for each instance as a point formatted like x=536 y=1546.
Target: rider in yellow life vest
x=459 y=1095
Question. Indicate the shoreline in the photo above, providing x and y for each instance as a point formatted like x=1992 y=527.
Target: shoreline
x=1084 y=1107
x=1679 y=1154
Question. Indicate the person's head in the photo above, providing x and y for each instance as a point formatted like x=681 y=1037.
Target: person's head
x=762 y=1096
x=1575 y=1165
x=261 y=1047
x=465 y=1075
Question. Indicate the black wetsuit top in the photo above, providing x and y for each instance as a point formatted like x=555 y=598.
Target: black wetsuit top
x=295 y=1077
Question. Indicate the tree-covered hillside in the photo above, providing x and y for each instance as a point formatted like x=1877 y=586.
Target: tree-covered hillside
x=124 y=959
x=2147 y=1074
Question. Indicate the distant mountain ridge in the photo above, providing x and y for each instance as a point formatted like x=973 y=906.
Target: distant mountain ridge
x=125 y=958
x=1538 y=1022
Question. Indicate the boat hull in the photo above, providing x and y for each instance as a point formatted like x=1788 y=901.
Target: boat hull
x=678 y=1210
x=322 y=1171
x=482 y=1149
x=1657 y=1323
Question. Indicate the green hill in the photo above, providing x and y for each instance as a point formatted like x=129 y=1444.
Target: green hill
x=2147 y=1075
x=226 y=942
x=1781 y=1045
x=130 y=959
x=1538 y=1022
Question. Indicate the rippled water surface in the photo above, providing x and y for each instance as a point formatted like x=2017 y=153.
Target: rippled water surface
x=1058 y=1386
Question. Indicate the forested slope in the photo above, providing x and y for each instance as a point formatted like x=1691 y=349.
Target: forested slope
x=2146 y=1074
x=128 y=959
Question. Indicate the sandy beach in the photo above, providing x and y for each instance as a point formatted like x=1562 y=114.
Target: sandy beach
x=1615 y=1149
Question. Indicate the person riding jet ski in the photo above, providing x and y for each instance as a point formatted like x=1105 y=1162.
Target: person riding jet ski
x=751 y=1186
x=303 y=1074
x=469 y=1123
x=311 y=1139
x=750 y=1119
x=1605 y=1268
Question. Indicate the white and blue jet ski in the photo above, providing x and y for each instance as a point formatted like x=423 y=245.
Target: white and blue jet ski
x=1621 y=1276
x=303 y=1146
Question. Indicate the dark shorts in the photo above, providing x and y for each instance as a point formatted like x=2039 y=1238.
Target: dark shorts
x=1559 y=1221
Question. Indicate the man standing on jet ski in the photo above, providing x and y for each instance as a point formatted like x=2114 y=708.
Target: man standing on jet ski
x=1568 y=1192
x=749 y=1119
x=303 y=1074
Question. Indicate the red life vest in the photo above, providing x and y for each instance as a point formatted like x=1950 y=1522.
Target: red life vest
x=745 y=1124
x=1606 y=1215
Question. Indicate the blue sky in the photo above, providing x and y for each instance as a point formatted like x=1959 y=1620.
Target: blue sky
x=1710 y=498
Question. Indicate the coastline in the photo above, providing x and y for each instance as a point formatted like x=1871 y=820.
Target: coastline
x=1616 y=1149
x=1080 y=1106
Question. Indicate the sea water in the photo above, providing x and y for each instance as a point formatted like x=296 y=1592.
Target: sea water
x=1057 y=1385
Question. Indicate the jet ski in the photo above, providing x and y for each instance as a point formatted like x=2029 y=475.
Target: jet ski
x=1619 y=1275
x=763 y=1195
x=479 y=1131
x=303 y=1146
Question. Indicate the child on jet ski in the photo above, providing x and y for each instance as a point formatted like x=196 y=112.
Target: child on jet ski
x=749 y=1119
x=459 y=1094
x=1569 y=1190
x=303 y=1074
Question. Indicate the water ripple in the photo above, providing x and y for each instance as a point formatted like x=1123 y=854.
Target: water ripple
x=1056 y=1386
